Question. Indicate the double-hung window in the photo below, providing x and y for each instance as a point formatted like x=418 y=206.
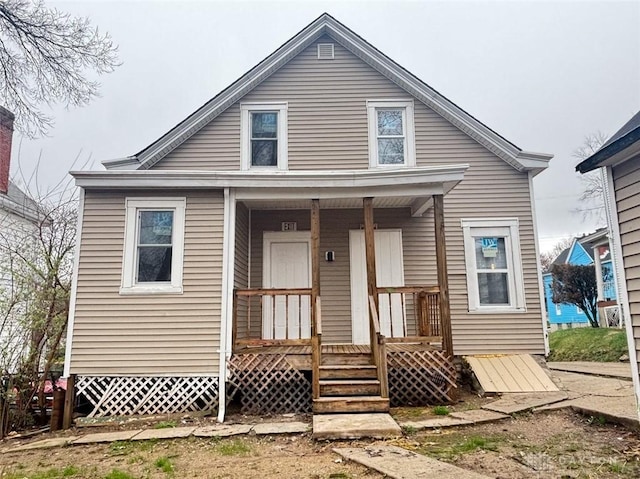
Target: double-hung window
x=263 y=136
x=154 y=245
x=391 y=133
x=494 y=268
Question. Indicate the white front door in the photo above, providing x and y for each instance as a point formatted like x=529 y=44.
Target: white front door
x=286 y=264
x=389 y=272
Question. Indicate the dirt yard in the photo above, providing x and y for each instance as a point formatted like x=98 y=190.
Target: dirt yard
x=552 y=445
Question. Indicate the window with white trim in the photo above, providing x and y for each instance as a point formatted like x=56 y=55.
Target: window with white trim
x=391 y=133
x=494 y=267
x=153 y=245
x=263 y=136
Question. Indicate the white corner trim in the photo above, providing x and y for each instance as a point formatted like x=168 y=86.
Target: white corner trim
x=226 y=304
x=74 y=287
x=615 y=246
x=543 y=309
x=132 y=206
x=245 y=134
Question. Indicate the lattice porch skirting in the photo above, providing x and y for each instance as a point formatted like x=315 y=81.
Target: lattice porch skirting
x=111 y=396
x=420 y=378
x=267 y=383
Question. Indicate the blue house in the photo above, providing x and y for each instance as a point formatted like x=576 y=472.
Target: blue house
x=584 y=251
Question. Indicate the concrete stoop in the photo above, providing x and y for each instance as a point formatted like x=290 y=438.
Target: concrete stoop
x=355 y=426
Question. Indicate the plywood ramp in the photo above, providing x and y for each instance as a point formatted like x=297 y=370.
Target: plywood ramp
x=510 y=374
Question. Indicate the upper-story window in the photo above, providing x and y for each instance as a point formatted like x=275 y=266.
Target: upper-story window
x=263 y=136
x=391 y=133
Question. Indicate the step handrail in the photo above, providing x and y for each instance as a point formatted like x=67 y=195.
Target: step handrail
x=378 y=348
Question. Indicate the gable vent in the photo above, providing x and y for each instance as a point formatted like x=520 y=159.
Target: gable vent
x=325 y=51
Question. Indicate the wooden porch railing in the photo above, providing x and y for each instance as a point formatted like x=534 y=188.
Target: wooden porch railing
x=286 y=311
x=378 y=348
x=405 y=305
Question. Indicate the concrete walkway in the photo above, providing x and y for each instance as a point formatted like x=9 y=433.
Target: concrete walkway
x=607 y=397
x=215 y=430
x=398 y=463
x=612 y=370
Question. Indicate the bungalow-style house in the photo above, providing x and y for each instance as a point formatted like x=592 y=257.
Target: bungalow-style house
x=619 y=159
x=592 y=249
x=19 y=214
x=327 y=233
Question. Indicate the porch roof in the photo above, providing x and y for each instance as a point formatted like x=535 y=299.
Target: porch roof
x=391 y=186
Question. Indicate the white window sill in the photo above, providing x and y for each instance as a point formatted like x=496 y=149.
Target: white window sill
x=160 y=289
x=498 y=311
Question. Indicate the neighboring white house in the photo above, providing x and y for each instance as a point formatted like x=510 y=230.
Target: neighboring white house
x=18 y=214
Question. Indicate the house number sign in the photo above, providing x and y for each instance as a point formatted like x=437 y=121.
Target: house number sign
x=289 y=226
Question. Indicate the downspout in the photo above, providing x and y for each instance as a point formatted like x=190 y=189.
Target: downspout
x=545 y=332
x=620 y=276
x=226 y=306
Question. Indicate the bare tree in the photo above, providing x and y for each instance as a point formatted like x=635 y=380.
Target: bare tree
x=36 y=262
x=45 y=56
x=548 y=257
x=592 y=195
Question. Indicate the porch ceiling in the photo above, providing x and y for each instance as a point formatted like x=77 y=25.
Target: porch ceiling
x=330 y=203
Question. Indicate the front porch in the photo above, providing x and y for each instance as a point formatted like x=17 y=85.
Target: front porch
x=292 y=350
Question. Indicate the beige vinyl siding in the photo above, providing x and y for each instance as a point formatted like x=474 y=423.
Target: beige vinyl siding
x=626 y=178
x=151 y=334
x=241 y=266
x=473 y=333
x=328 y=131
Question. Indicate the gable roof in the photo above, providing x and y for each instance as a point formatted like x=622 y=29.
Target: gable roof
x=327 y=25
x=621 y=146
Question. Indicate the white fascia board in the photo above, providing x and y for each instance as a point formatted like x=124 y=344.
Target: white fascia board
x=520 y=160
x=118 y=179
x=129 y=163
x=155 y=152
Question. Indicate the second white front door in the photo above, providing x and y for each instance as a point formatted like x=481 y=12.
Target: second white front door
x=286 y=264
x=389 y=272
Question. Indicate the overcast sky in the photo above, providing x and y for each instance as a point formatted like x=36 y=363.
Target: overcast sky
x=543 y=75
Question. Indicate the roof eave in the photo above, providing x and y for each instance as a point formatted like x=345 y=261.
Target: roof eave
x=616 y=152
x=520 y=160
x=448 y=176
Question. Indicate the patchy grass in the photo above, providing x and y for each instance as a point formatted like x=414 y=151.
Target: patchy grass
x=165 y=425
x=449 y=448
x=164 y=464
x=118 y=474
x=124 y=448
x=588 y=344
x=51 y=473
x=441 y=410
x=234 y=447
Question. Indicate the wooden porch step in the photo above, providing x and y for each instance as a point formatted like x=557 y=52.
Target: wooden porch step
x=346 y=359
x=348 y=371
x=349 y=387
x=355 y=404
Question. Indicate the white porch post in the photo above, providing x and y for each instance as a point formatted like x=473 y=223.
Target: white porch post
x=226 y=309
x=598 y=265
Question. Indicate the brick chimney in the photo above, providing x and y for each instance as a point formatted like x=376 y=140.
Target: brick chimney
x=6 y=135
